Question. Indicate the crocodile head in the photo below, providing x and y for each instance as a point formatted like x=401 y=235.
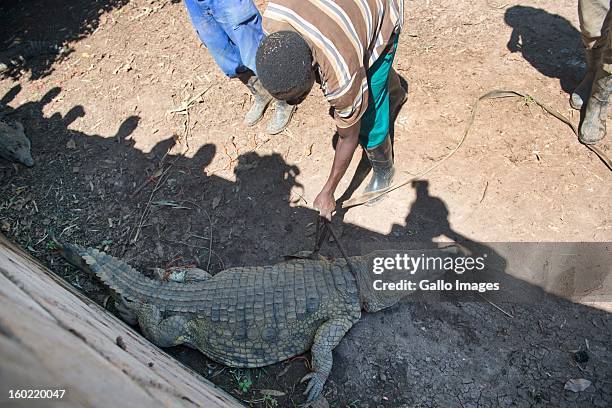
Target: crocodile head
x=373 y=300
x=382 y=286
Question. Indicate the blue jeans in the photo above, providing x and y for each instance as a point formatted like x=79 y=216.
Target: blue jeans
x=230 y=29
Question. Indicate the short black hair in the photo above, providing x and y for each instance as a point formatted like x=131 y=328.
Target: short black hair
x=284 y=63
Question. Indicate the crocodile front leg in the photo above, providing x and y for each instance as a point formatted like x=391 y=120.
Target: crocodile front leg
x=167 y=332
x=328 y=336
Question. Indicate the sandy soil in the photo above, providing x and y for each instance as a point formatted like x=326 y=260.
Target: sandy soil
x=117 y=169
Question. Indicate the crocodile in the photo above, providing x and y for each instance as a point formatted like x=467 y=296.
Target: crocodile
x=248 y=316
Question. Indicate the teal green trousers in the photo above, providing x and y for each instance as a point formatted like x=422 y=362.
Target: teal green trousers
x=375 y=121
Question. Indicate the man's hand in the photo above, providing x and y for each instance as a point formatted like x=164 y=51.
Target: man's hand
x=325 y=203
x=347 y=143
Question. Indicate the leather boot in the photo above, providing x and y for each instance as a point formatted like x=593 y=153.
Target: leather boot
x=381 y=160
x=593 y=127
x=397 y=94
x=282 y=115
x=582 y=91
x=261 y=98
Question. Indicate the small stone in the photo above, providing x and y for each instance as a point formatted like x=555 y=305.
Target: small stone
x=577 y=384
x=76 y=169
x=120 y=342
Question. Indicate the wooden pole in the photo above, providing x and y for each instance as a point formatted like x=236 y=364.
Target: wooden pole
x=54 y=338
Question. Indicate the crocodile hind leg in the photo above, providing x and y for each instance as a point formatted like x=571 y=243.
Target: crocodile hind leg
x=328 y=336
x=163 y=332
x=125 y=310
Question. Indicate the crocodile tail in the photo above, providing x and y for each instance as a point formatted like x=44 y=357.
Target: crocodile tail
x=114 y=273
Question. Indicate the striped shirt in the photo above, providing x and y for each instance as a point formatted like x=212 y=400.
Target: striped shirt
x=346 y=37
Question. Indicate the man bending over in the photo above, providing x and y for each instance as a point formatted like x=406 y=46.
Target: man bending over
x=348 y=47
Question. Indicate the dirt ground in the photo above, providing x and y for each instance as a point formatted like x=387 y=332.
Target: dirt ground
x=118 y=169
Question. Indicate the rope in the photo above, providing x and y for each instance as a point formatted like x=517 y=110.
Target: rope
x=494 y=94
x=323 y=227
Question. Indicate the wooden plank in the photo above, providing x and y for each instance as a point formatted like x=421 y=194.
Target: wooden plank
x=53 y=337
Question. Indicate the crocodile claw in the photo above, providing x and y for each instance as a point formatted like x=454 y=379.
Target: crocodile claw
x=315 y=385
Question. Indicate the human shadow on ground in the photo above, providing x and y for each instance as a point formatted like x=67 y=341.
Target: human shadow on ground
x=460 y=343
x=549 y=42
x=161 y=209
x=31 y=31
x=110 y=185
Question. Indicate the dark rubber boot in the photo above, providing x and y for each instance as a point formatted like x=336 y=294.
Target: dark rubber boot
x=593 y=127
x=282 y=115
x=261 y=99
x=582 y=91
x=381 y=160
